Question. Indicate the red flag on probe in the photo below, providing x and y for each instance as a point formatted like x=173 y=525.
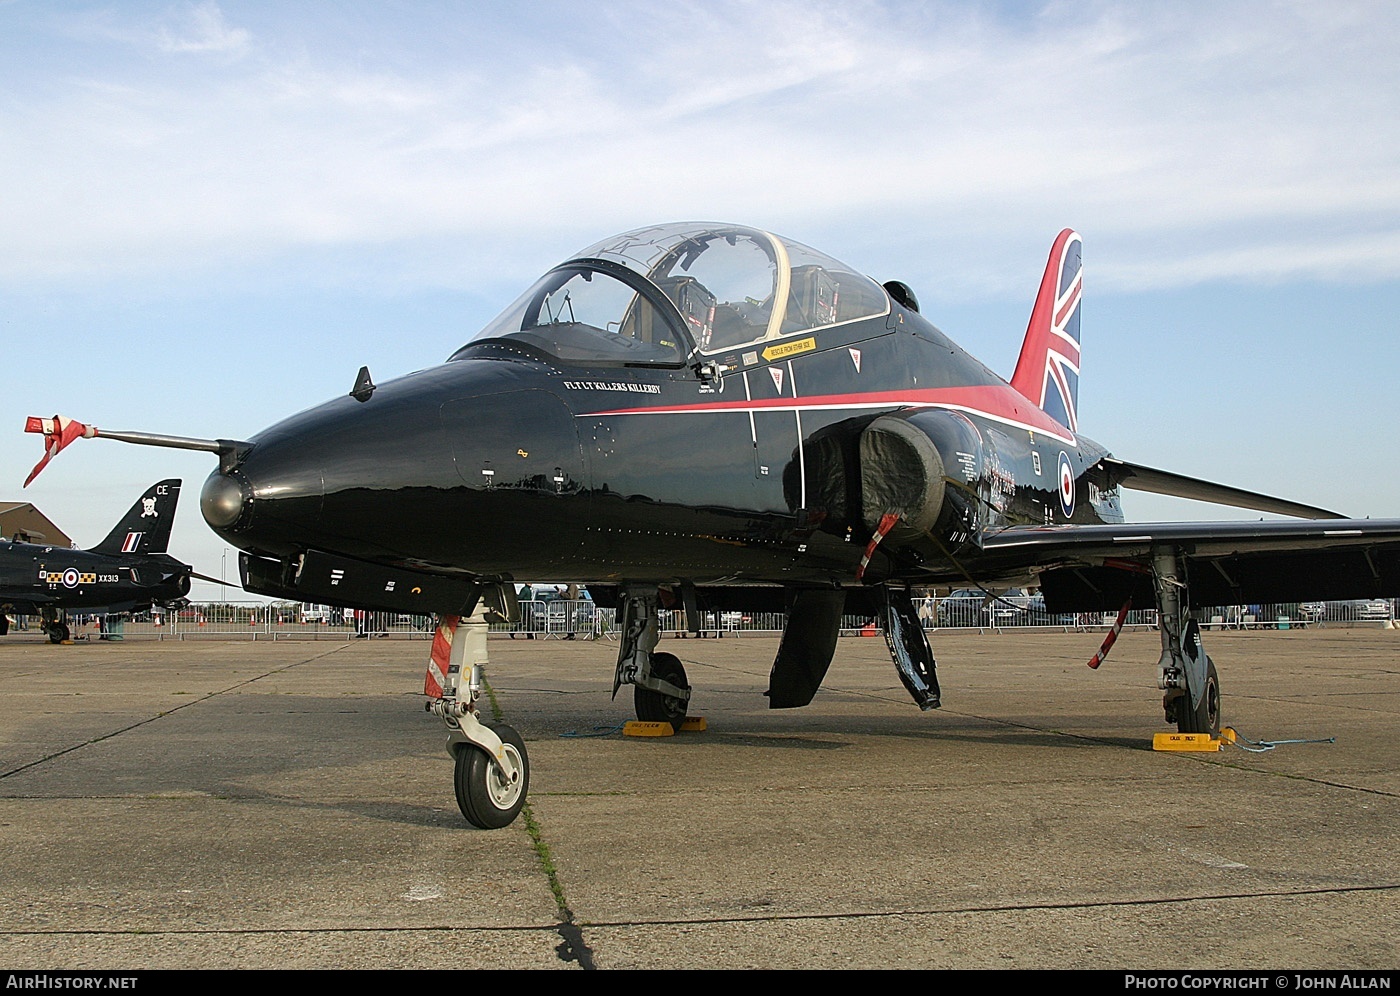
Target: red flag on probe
x=58 y=432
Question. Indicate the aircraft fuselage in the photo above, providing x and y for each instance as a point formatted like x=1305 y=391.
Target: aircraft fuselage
x=535 y=468
x=33 y=576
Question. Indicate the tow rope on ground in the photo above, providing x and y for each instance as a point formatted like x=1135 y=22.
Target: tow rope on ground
x=1230 y=735
x=598 y=731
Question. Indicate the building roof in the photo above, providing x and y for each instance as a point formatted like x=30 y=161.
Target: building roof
x=21 y=520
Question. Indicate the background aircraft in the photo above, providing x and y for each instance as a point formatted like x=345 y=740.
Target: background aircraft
x=715 y=417
x=128 y=570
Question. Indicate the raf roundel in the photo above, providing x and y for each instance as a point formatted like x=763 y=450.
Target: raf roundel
x=70 y=578
x=1066 y=485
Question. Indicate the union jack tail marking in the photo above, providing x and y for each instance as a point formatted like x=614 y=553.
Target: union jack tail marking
x=1047 y=371
x=132 y=542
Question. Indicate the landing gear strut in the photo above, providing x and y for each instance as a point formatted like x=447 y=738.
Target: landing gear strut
x=491 y=767
x=1185 y=671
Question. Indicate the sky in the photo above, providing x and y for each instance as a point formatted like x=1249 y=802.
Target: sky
x=214 y=213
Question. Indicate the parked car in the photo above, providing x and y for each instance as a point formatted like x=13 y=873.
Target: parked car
x=962 y=607
x=1010 y=608
x=1348 y=610
x=975 y=607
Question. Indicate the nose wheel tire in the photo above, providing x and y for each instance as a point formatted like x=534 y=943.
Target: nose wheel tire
x=487 y=797
x=656 y=707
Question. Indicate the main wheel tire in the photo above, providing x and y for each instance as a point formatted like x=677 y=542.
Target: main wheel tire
x=484 y=796
x=1205 y=718
x=654 y=707
x=59 y=632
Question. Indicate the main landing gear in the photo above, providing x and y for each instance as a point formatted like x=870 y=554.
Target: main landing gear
x=1186 y=672
x=661 y=693
x=492 y=769
x=54 y=623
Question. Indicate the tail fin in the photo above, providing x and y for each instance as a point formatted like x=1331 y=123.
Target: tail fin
x=1048 y=370
x=146 y=526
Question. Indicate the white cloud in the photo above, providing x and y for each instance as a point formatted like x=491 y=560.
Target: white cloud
x=1247 y=142
x=201 y=28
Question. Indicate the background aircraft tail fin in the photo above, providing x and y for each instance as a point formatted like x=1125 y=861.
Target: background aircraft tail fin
x=146 y=526
x=1048 y=369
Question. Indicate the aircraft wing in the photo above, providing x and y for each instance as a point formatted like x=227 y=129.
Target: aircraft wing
x=1097 y=567
x=1137 y=477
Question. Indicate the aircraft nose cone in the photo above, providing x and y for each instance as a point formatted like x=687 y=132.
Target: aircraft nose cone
x=222 y=500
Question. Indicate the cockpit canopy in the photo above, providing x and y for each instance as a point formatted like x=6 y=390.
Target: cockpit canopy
x=662 y=294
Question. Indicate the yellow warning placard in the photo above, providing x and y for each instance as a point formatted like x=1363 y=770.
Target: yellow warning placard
x=784 y=349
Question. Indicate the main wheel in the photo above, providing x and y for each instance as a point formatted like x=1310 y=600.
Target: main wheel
x=1205 y=718
x=654 y=707
x=59 y=632
x=484 y=795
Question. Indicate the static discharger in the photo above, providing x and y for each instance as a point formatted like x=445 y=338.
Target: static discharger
x=1192 y=741
x=638 y=728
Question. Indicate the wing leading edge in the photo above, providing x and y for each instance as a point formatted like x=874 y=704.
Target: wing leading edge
x=1163 y=482
x=1098 y=567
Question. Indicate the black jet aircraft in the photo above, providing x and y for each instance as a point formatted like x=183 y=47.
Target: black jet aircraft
x=715 y=417
x=127 y=571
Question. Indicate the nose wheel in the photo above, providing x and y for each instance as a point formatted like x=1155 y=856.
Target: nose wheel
x=490 y=794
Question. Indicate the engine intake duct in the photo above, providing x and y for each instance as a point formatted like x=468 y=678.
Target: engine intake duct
x=901 y=471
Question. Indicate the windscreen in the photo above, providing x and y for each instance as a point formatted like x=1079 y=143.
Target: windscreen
x=584 y=314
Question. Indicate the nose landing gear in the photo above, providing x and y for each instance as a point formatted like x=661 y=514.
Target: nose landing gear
x=491 y=773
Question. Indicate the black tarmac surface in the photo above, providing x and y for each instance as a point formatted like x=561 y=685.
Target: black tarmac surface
x=239 y=804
